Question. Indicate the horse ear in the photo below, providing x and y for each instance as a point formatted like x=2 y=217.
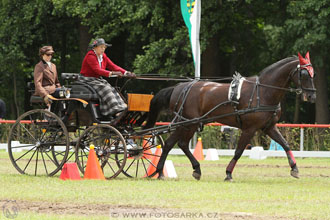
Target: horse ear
x=302 y=60
x=307 y=56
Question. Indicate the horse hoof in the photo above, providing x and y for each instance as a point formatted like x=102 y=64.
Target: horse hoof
x=228 y=179
x=161 y=177
x=295 y=173
x=197 y=176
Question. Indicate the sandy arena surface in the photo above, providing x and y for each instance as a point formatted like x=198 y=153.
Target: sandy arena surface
x=122 y=212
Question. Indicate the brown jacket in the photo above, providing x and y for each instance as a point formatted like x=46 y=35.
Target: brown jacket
x=45 y=79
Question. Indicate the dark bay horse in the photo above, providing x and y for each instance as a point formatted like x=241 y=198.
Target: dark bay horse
x=258 y=108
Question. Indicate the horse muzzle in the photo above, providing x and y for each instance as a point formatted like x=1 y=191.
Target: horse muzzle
x=308 y=97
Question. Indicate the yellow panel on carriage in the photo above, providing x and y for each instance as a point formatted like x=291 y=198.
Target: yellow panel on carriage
x=139 y=102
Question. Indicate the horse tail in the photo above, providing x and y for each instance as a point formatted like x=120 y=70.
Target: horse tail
x=159 y=102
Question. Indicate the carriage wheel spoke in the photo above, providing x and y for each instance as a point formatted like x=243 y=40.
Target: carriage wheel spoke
x=150 y=162
x=111 y=167
x=28 y=161
x=51 y=159
x=130 y=164
x=137 y=168
x=43 y=160
x=82 y=158
x=149 y=147
x=59 y=153
x=144 y=166
x=151 y=154
x=35 y=171
x=70 y=156
x=32 y=136
x=25 y=153
x=147 y=159
x=112 y=158
x=119 y=160
x=42 y=136
x=27 y=145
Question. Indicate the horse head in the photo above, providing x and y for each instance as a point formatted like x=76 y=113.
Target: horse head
x=304 y=79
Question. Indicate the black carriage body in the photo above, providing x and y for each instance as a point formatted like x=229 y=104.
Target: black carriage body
x=73 y=112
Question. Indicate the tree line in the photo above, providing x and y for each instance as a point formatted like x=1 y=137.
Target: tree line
x=150 y=37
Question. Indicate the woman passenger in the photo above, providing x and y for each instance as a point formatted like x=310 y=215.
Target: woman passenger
x=45 y=75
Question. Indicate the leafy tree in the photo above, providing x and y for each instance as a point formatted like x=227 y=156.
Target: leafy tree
x=26 y=26
x=306 y=29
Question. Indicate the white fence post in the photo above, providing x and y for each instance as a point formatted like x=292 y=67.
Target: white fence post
x=301 y=139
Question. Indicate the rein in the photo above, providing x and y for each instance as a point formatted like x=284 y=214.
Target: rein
x=297 y=91
x=293 y=72
x=182 y=79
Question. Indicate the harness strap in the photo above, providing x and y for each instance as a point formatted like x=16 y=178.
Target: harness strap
x=254 y=90
x=183 y=96
x=238 y=116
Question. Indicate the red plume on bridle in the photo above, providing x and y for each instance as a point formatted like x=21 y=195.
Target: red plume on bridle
x=305 y=63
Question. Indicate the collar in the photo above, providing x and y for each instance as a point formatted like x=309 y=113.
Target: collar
x=99 y=58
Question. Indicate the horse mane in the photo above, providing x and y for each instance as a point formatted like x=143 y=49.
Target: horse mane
x=279 y=63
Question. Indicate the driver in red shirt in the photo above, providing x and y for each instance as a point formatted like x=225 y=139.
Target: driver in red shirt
x=96 y=65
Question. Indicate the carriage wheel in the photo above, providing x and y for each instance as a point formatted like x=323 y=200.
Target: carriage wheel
x=73 y=137
x=143 y=155
x=38 y=143
x=109 y=146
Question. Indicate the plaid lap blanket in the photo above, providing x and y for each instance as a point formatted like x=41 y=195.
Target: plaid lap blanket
x=110 y=101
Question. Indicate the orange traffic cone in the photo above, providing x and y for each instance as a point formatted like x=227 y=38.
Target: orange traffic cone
x=146 y=146
x=198 y=152
x=70 y=171
x=93 y=168
x=154 y=162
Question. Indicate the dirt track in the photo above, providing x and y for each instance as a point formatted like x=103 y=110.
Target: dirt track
x=122 y=212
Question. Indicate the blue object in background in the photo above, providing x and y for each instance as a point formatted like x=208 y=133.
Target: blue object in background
x=275 y=146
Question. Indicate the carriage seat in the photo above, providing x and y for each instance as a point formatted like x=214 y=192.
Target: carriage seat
x=34 y=98
x=83 y=91
x=77 y=89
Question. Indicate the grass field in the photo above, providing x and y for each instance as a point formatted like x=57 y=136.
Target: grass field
x=262 y=189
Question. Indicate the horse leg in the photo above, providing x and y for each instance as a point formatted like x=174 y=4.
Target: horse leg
x=195 y=164
x=243 y=141
x=169 y=143
x=275 y=134
x=184 y=145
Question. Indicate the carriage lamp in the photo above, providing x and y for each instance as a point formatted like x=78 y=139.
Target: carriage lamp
x=64 y=92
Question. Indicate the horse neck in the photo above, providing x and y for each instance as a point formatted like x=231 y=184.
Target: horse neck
x=278 y=77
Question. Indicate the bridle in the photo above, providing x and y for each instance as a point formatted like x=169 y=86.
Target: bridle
x=298 y=90
x=302 y=68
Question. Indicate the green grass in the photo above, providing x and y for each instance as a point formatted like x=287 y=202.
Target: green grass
x=262 y=188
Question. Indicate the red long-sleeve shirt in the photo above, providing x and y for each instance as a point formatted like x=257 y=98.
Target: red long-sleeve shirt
x=91 y=68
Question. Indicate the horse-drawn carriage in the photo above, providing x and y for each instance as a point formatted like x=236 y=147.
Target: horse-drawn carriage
x=42 y=140
x=50 y=137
